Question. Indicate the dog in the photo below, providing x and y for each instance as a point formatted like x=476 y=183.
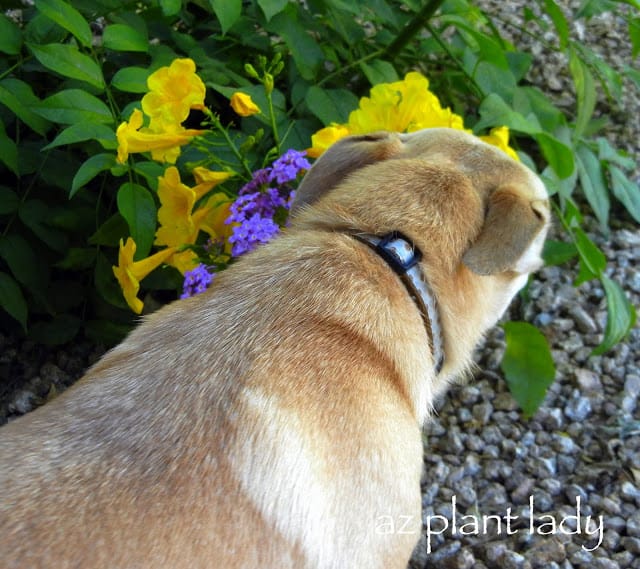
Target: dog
x=275 y=420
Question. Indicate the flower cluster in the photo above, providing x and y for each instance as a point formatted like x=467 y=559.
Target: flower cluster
x=267 y=194
x=189 y=215
x=196 y=281
x=173 y=92
x=401 y=106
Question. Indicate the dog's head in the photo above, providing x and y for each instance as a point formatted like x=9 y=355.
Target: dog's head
x=478 y=216
x=509 y=200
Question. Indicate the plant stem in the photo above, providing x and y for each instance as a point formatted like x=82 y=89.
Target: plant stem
x=216 y=122
x=272 y=117
x=418 y=22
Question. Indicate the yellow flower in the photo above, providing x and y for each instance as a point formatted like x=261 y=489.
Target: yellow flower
x=499 y=136
x=173 y=92
x=179 y=224
x=243 y=105
x=211 y=217
x=325 y=137
x=400 y=106
x=176 y=203
x=164 y=147
x=129 y=272
x=207 y=179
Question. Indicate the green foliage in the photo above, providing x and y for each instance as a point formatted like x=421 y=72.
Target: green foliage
x=64 y=89
x=527 y=365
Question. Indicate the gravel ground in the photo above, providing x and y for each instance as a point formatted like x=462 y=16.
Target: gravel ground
x=580 y=451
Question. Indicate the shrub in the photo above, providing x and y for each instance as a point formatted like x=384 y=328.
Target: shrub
x=73 y=73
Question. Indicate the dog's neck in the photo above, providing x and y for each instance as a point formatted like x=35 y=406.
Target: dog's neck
x=402 y=256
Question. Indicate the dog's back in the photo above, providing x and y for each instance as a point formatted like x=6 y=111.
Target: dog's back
x=274 y=421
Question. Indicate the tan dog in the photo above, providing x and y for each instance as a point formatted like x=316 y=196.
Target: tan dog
x=275 y=420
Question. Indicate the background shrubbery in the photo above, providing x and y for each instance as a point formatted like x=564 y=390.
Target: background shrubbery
x=71 y=72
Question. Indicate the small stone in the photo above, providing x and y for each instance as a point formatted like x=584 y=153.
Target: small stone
x=629 y=491
x=546 y=551
x=482 y=412
x=513 y=560
x=442 y=553
x=582 y=557
x=505 y=402
x=633 y=525
x=564 y=444
x=493 y=551
x=631 y=544
x=578 y=408
x=588 y=380
x=611 y=506
x=464 y=559
x=610 y=540
x=604 y=563
x=522 y=493
x=23 y=402
x=584 y=322
x=632 y=385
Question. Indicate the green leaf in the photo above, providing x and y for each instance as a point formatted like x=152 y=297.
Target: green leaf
x=106 y=284
x=8 y=151
x=23 y=263
x=12 y=299
x=18 y=97
x=558 y=252
x=170 y=7
x=35 y=215
x=60 y=330
x=67 y=17
x=621 y=315
x=586 y=91
x=331 y=105
x=136 y=205
x=9 y=201
x=78 y=259
x=558 y=155
x=305 y=50
x=10 y=36
x=527 y=365
x=379 y=71
x=590 y=8
x=90 y=169
x=559 y=21
x=110 y=232
x=122 y=37
x=593 y=183
x=494 y=111
x=626 y=191
x=72 y=106
x=634 y=36
x=592 y=260
x=150 y=170
x=68 y=61
x=227 y=12
x=272 y=7
x=131 y=79
x=608 y=153
x=83 y=131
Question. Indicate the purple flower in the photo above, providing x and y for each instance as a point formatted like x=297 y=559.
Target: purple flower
x=251 y=232
x=288 y=166
x=196 y=281
x=258 y=202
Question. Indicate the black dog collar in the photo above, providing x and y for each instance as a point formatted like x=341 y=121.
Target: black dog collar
x=401 y=255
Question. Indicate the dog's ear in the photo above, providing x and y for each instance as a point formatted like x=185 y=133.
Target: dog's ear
x=511 y=225
x=345 y=156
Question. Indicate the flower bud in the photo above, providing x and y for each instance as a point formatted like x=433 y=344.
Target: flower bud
x=250 y=70
x=268 y=83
